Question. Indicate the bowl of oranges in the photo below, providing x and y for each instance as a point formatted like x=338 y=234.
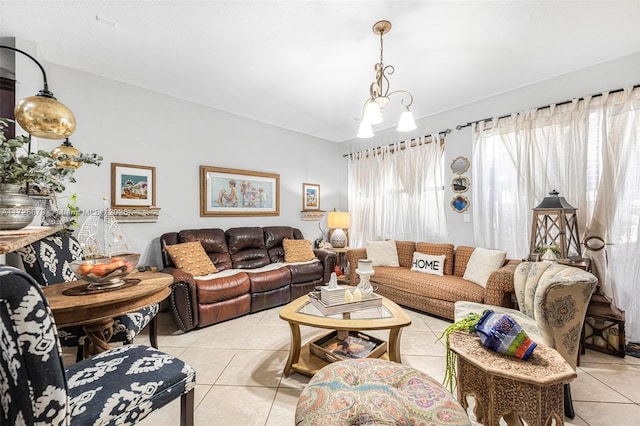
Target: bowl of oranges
x=106 y=272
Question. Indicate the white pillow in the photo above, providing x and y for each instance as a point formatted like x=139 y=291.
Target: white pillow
x=382 y=253
x=428 y=263
x=482 y=263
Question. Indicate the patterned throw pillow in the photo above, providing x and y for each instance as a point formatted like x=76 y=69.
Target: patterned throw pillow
x=428 y=263
x=191 y=258
x=297 y=250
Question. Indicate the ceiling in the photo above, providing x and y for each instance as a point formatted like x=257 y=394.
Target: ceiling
x=307 y=65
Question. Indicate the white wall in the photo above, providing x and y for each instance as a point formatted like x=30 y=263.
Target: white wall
x=127 y=124
x=612 y=75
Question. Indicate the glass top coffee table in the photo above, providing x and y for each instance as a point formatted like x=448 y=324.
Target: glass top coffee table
x=301 y=312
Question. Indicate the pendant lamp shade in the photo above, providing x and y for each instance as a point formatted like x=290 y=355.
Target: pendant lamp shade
x=407 y=123
x=42 y=115
x=67 y=149
x=45 y=117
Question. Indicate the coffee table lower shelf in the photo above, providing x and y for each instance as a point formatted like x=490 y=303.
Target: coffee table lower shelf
x=309 y=364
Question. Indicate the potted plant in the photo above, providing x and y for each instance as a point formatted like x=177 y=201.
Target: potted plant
x=21 y=170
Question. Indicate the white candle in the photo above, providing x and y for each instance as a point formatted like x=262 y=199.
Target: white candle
x=365 y=265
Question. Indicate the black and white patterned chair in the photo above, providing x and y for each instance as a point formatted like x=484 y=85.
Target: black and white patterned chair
x=48 y=262
x=120 y=386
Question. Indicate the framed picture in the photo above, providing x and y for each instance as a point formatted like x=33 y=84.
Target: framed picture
x=234 y=192
x=460 y=184
x=132 y=185
x=310 y=196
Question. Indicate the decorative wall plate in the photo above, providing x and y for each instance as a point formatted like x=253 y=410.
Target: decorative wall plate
x=460 y=165
x=460 y=184
x=460 y=203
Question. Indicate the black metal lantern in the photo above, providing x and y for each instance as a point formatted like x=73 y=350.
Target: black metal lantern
x=555 y=225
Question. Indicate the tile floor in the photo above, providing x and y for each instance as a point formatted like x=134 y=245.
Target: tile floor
x=239 y=367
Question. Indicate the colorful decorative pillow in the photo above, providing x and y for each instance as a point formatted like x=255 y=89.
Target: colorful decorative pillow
x=501 y=333
x=428 y=264
x=382 y=253
x=482 y=263
x=191 y=258
x=297 y=250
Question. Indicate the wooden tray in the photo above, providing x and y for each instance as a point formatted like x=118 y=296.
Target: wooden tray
x=356 y=345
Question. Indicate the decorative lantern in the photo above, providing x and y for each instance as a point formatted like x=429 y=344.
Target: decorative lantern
x=555 y=225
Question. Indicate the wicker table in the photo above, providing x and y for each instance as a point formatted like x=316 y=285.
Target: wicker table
x=507 y=387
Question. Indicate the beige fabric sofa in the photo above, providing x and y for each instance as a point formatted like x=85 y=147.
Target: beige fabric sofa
x=432 y=293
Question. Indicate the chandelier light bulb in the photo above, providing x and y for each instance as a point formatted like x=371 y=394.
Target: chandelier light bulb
x=407 y=122
x=373 y=113
x=365 y=131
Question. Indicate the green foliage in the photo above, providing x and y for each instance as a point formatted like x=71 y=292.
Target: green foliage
x=18 y=166
x=543 y=249
x=467 y=323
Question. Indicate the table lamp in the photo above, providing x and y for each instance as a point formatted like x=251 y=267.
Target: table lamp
x=338 y=221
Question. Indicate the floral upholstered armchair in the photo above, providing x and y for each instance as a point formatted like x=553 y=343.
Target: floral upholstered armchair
x=552 y=300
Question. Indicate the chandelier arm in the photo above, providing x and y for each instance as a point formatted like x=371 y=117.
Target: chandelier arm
x=402 y=100
x=45 y=91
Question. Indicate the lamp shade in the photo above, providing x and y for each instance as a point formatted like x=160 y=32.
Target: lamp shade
x=44 y=117
x=373 y=113
x=339 y=220
x=407 y=123
x=67 y=149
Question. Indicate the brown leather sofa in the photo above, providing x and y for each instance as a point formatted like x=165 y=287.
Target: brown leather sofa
x=252 y=275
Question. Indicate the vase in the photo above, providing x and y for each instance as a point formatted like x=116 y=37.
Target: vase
x=17 y=210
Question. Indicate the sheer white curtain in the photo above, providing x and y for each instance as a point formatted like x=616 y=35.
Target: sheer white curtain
x=397 y=193
x=588 y=150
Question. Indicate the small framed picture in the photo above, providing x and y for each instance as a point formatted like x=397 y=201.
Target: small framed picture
x=132 y=185
x=310 y=196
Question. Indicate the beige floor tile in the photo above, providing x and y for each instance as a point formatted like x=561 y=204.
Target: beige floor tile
x=603 y=414
x=169 y=415
x=227 y=338
x=632 y=360
x=283 y=411
x=421 y=343
x=436 y=324
x=269 y=338
x=433 y=366
x=295 y=381
x=271 y=318
x=591 y=356
x=209 y=363
x=623 y=378
x=587 y=388
x=254 y=368
x=235 y=406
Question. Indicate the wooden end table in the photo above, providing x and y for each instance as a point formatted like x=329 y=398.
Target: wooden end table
x=389 y=316
x=507 y=387
x=95 y=312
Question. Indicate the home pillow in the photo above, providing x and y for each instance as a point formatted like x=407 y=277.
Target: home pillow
x=297 y=250
x=482 y=263
x=428 y=263
x=191 y=258
x=382 y=253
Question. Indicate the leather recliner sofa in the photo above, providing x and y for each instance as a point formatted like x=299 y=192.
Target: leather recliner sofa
x=252 y=274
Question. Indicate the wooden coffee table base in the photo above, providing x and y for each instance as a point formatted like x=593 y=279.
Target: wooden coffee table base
x=300 y=357
x=98 y=335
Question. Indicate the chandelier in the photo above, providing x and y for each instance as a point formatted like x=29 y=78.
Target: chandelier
x=379 y=94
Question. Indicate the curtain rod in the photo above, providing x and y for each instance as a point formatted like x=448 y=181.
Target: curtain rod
x=411 y=141
x=486 y=120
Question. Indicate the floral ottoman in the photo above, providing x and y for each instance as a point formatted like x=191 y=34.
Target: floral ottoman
x=376 y=392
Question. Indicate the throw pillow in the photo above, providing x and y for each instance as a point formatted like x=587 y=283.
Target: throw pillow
x=297 y=250
x=191 y=258
x=382 y=253
x=482 y=263
x=428 y=263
